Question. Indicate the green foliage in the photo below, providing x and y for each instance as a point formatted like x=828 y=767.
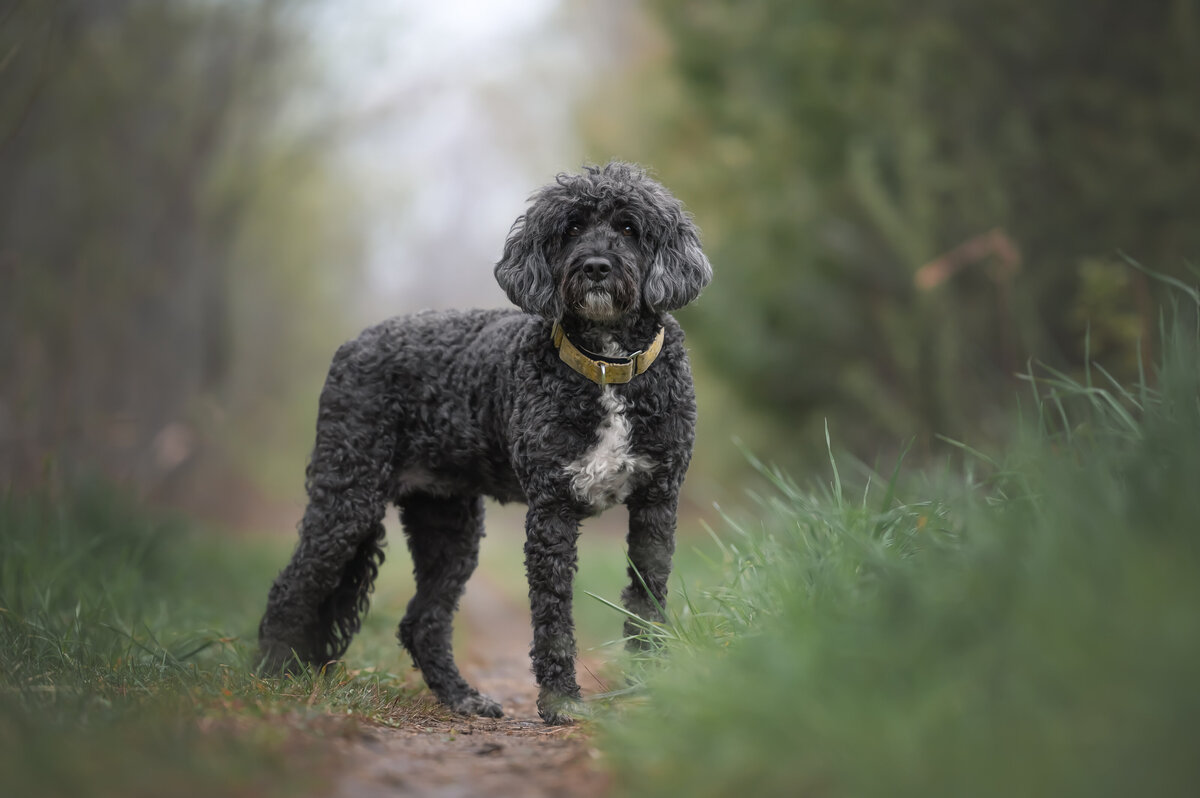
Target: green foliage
x=153 y=200
x=1031 y=632
x=127 y=658
x=831 y=149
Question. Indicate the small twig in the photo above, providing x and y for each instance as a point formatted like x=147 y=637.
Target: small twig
x=599 y=681
x=994 y=242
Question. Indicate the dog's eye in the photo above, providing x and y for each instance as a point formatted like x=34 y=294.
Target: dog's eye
x=628 y=230
x=574 y=230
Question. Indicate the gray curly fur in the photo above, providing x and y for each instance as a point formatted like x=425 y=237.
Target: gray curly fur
x=436 y=410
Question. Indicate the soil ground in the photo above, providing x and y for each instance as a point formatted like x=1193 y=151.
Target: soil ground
x=445 y=756
x=436 y=754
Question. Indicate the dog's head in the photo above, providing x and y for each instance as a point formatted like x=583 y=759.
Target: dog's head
x=604 y=244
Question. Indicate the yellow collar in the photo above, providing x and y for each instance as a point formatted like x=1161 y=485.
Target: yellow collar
x=605 y=370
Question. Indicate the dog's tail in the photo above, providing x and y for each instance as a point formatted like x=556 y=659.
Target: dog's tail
x=317 y=601
x=340 y=616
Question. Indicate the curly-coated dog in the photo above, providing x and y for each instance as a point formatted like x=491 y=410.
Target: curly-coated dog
x=578 y=401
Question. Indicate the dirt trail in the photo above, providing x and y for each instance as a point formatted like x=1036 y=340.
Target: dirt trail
x=516 y=755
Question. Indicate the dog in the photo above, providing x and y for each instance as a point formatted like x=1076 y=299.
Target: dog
x=580 y=400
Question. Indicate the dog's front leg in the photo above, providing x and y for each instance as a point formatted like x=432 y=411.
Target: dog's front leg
x=551 y=532
x=651 y=542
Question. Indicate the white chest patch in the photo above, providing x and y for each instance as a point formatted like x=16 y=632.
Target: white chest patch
x=603 y=476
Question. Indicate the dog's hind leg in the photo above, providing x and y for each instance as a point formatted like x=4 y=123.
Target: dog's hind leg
x=316 y=602
x=443 y=535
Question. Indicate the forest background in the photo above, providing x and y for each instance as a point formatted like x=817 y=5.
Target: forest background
x=905 y=205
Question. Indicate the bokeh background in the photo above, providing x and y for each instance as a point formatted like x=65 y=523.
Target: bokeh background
x=905 y=205
x=908 y=206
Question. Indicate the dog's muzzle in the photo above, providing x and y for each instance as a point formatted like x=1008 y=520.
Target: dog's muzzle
x=600 y=286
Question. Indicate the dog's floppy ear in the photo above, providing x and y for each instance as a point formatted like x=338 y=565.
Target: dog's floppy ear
x=679 y=271
x=524 y=273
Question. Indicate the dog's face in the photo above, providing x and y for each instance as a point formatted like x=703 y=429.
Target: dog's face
x=601 y=245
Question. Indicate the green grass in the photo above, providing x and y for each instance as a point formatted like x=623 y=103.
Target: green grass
x=126 y=660
x=1030 y=628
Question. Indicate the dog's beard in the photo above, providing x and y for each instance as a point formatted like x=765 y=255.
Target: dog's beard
x=598 y=305
x=606 y=301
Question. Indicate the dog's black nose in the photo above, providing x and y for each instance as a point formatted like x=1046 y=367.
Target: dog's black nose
x=597 y=268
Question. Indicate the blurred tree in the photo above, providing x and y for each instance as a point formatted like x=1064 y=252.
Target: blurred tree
x=905 y=201
x=142 y=167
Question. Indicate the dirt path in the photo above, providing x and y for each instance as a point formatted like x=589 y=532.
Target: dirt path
x=447 y=757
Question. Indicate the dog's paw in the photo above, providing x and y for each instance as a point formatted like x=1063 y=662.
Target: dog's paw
x=560 y=710
x=276 y=658
x=643 y=637
x=475 y=703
